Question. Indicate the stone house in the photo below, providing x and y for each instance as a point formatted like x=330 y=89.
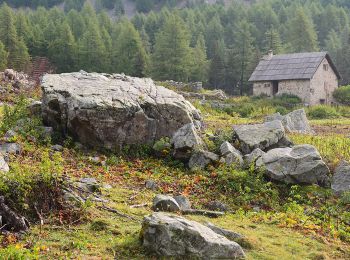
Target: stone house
x=311 y=76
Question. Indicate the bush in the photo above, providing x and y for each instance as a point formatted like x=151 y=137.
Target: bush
x=322 y=112
x=342 y=95
x=286 y=101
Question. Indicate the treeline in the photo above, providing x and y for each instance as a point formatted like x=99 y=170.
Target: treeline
x=210 y=43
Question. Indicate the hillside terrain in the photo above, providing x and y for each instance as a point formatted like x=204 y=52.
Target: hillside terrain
x=83 y=202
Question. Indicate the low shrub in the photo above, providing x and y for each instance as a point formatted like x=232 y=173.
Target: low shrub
x=342 y=95
x=322 y=112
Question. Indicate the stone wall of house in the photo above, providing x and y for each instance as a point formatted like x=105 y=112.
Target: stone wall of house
x=300 y=88
x=323 y=84
x=262 y=88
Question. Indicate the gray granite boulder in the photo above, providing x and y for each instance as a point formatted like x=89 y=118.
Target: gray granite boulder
x=111 y=111
x=294 y=122
x=3 y=165
x=183 y=202
x=341 y=178
x=301 y=164
x=224 y=232
x=172 y=236
x=264 y=136
x=185 y=140
x=201 y=159
x=230 y=155
x=165 y=203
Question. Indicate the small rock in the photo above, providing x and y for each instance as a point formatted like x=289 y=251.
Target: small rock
x=165 y=203
x=10 y=148
x=107 y=186
x=172 y=236
x=35 y=108
x=224 y=232
x=151 y=185
x=3 y=165
x=341 y=178
x=10 y=134
x=89 y=184
x=201 y=159
x=185 y=141
x=231 y=156
x=57 y=148
x=183 y=202
x=251 y=158
x=217 y=205
x=45 y=131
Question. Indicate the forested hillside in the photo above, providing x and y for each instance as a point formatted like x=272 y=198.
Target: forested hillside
x=219 y=45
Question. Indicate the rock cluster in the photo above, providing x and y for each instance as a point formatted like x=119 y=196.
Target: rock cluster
x=111 y=111
x=13 y=81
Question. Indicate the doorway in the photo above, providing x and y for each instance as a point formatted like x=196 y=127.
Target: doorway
x=274 y=87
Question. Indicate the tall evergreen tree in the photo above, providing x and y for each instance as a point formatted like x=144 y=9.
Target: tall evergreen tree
x=302 y=36
x=3 y=57
x=19 y=58
x=273 y=41
x=217 y=70
x=172 y=53
x=200 y=64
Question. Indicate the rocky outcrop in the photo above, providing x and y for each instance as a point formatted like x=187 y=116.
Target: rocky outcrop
x=263 y=136
x=110 y=111
x=341 y=178
x=168 y=236
x=185 y=141
x=301 y=164
x=201 y=159
x=294 y=122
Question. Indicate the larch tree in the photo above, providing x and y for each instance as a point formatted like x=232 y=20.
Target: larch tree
x=217 y=69
x=302 y=36
x=200 y=63
x=172 y=53
x=273 y=42
x=3 y=57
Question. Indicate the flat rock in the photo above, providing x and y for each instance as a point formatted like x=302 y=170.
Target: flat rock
x=341 y=178
x=301 y=164
x=111 y=111
x=263 y=136
x=294 y=122
x=169 y=235
x=201 y=159
x=165 y=203
x=185 y=140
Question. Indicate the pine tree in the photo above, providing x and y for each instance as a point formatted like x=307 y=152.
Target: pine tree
x=3 y=57
x=62 y=51
x=302 y=36
x=217 y=70
x=23 y=28
x=130 y=56
x=92 y=51
x=200 y=62
x=172 y=54
x=273 y=42
x=333 y=43
x=213 y=34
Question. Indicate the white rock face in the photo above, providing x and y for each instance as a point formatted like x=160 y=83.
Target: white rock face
x=169 y=235
x=110 y=111
x=300 y=164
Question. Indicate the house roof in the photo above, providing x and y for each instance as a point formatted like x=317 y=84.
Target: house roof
x=291 y=66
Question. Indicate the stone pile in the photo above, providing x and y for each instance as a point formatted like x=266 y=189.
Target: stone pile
x=13 y=81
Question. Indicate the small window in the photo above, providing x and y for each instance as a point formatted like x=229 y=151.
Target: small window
x=325 y=67
x=267 y=85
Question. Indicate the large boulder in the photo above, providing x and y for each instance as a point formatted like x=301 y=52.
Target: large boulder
x=173 y=236
x=264 y=136
x=294 y=122
x=341 y=178
x=110 y=111
x=185 y=141
x=301 y=164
